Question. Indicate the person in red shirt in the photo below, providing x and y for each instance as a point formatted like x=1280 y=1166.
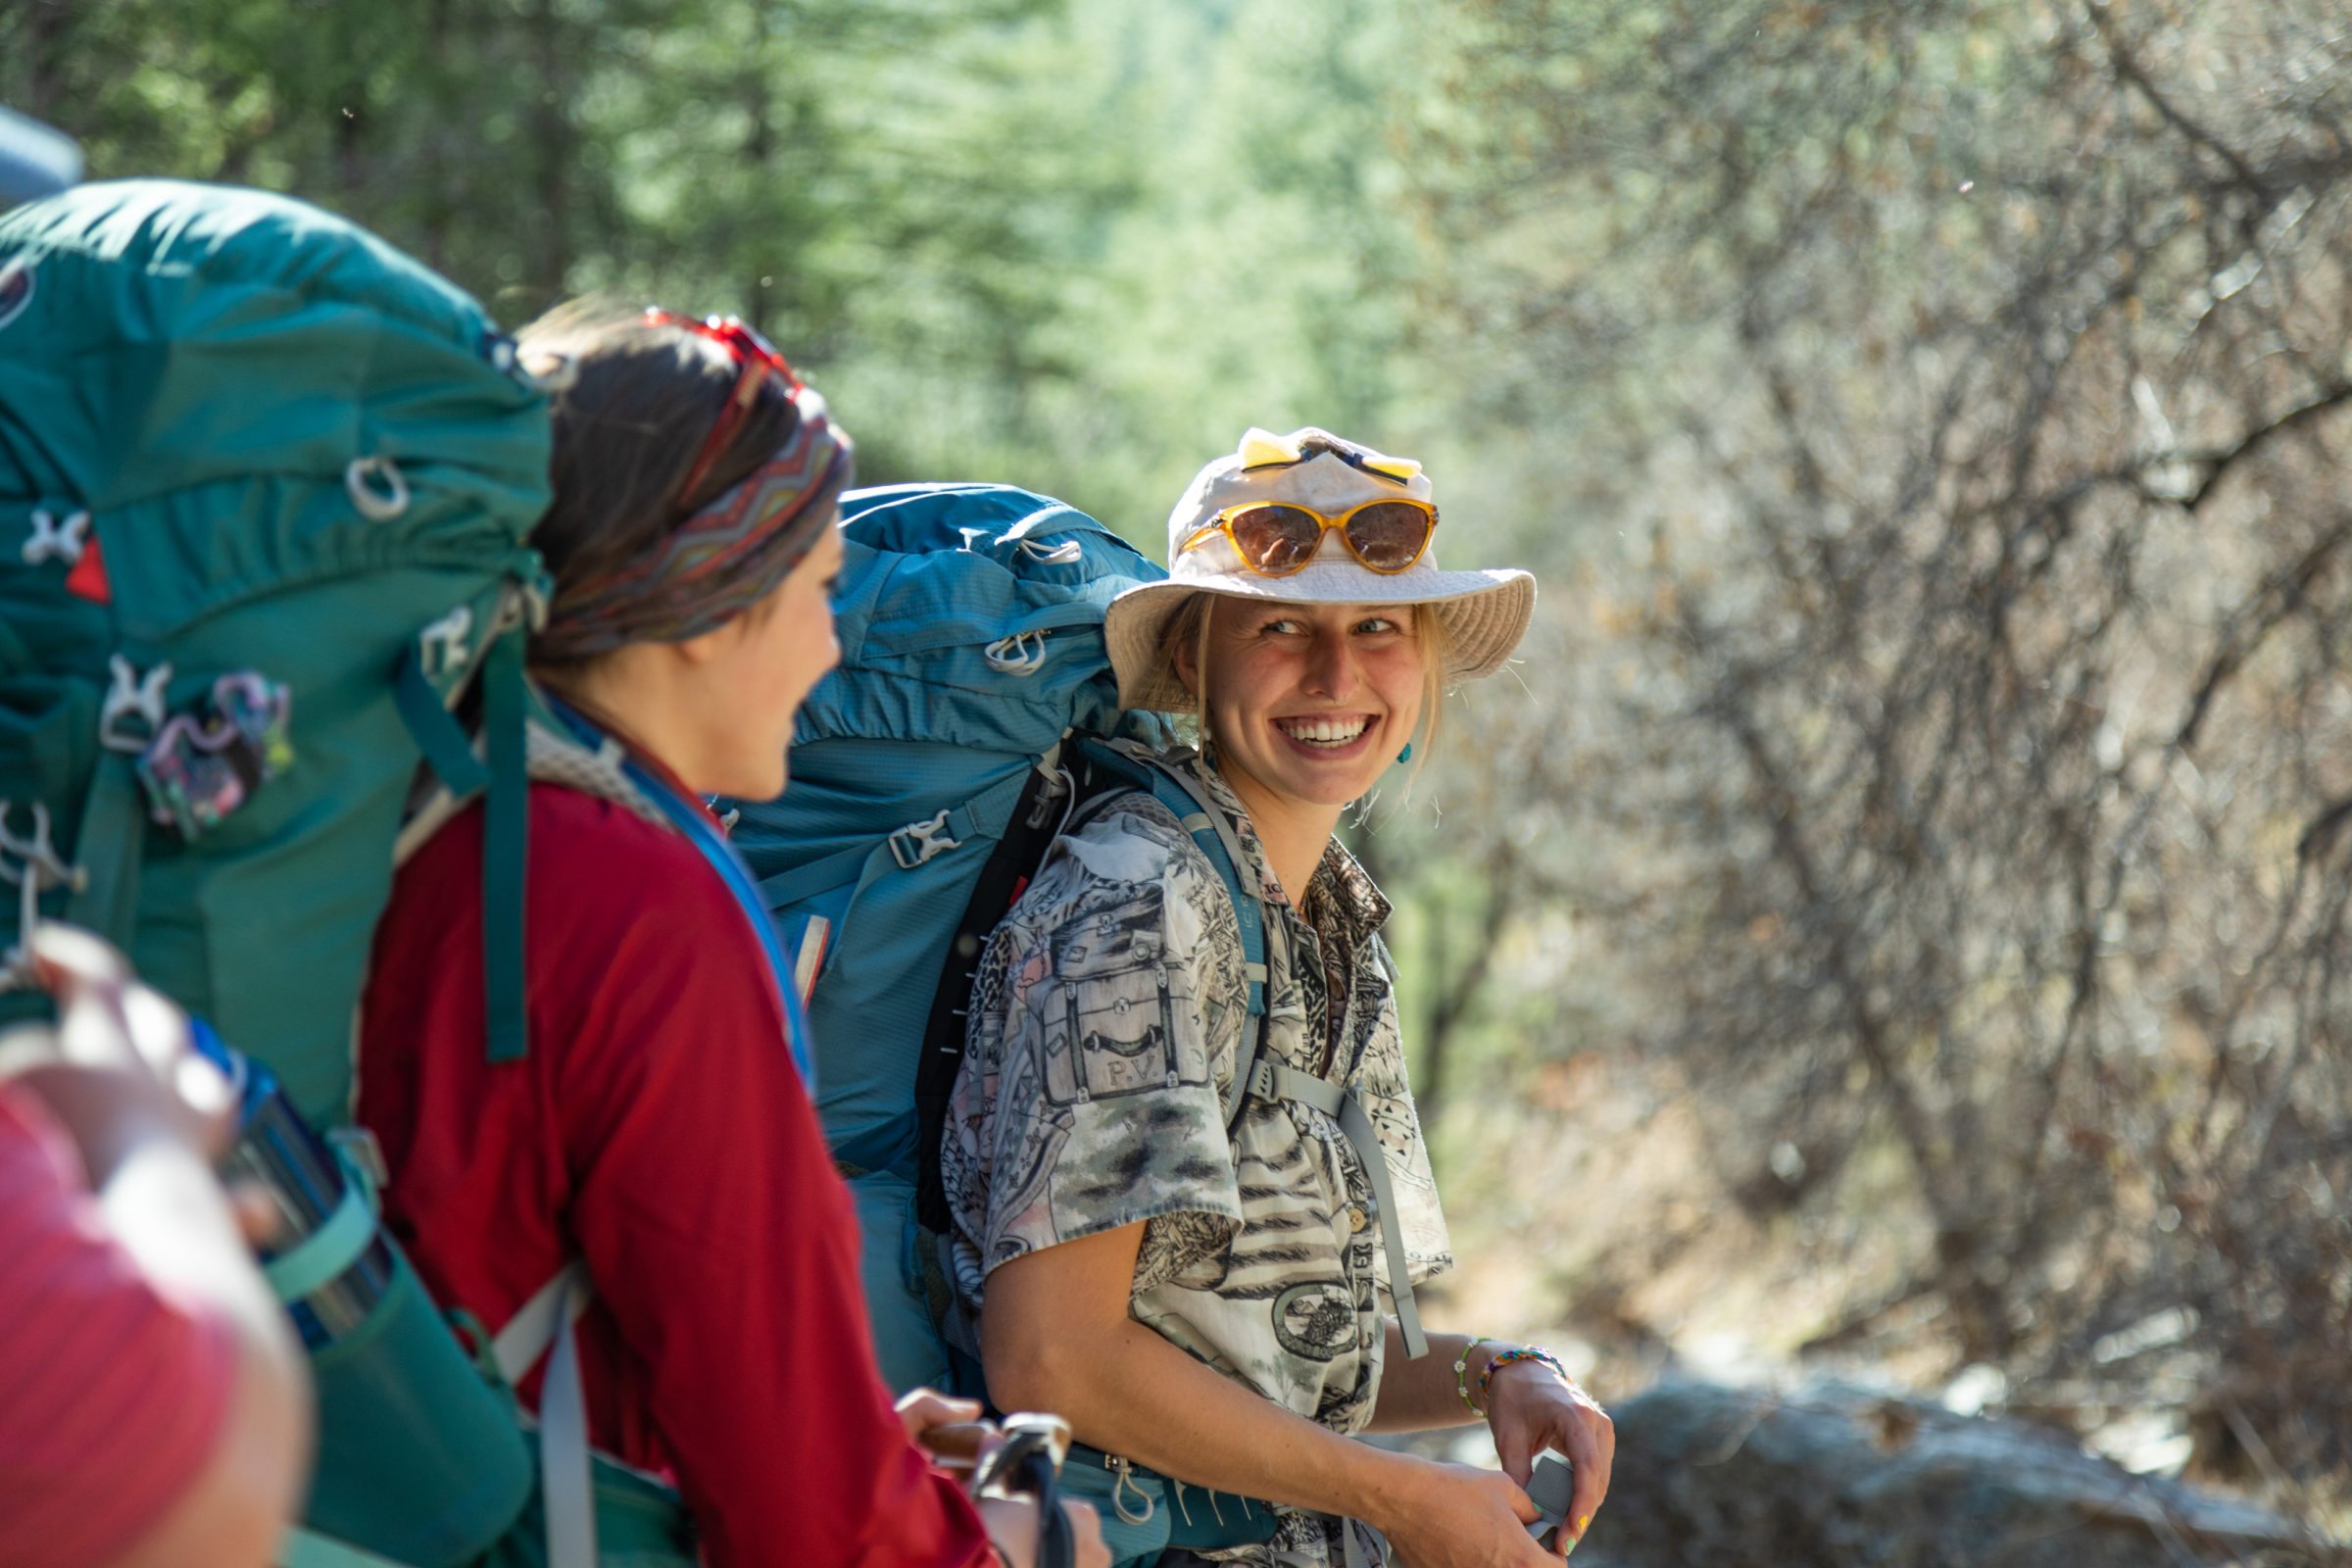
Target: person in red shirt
x=657 y=1129
x=154 y=1406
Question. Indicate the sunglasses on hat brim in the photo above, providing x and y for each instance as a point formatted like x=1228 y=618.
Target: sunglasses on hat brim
x=1276 y=538
x=1277 y=453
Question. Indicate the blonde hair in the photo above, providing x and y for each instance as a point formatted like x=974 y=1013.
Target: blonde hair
x=1187 y=630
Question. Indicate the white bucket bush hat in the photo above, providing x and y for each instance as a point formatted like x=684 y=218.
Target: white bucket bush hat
x=1484 y=612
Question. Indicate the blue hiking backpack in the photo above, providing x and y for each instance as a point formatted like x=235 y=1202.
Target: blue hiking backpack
x=973 y=718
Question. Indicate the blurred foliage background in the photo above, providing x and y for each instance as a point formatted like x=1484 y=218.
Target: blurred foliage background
x=1896 y=915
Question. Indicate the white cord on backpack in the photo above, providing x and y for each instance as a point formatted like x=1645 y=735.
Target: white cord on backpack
x=1021 y=654
x=361 y=480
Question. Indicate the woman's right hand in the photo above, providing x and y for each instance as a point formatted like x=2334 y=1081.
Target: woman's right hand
x=1012 y=1530
x=1459 y=1517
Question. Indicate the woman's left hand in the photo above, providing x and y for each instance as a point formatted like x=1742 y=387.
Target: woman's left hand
x=1531 y=1407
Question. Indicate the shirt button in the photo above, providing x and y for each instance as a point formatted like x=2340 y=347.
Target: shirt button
x=1355 y=1219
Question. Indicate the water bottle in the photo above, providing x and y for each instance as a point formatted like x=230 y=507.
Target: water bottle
x=420 y=1457
x=307 y=1184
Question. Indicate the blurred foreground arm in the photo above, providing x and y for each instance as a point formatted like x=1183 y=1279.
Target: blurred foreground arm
x=154 y=1405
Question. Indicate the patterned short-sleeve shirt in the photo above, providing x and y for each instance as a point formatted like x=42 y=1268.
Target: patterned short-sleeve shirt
x=1103 y=1034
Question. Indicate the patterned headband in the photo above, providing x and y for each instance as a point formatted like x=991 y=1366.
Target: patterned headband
x=719 y=562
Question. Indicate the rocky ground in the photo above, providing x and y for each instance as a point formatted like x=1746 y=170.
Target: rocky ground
x=1583 y=1221
x=1744 y=1478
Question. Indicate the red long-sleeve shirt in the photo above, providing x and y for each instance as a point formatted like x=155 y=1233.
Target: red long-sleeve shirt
x=656 y=1130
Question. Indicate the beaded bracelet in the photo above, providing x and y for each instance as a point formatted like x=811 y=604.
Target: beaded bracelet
x=1525 y=1353
x=1461 y=1373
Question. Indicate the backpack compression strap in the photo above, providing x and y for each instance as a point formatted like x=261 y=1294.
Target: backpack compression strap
x=500 y=774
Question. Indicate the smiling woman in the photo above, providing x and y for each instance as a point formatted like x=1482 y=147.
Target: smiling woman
x=1206 y=628
x=1192 y=1219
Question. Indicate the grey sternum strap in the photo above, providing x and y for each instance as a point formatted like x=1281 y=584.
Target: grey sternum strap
x=543 y=1325
x=1273 y=1080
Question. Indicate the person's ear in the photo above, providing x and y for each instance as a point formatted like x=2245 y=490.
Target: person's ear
x=701 y=649
x=1188 y=654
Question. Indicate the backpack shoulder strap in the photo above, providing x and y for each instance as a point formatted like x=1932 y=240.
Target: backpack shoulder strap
x=498 y=773
x=1043 y=811
x=1138 y=768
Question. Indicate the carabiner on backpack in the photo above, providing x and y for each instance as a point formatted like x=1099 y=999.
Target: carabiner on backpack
x=1021 y=654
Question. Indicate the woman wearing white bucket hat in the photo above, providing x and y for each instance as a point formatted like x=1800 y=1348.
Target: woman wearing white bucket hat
x=1196 y=1218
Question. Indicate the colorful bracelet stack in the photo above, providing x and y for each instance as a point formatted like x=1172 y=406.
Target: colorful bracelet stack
x=1524 y=1353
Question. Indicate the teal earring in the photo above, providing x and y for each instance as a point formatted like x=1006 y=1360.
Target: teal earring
x=1406 y=755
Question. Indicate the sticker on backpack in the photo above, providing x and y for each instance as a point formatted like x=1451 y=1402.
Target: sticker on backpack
x=16 y=289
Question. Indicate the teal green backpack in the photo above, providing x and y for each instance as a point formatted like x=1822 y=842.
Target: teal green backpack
x=265 y=487
x=256 y=469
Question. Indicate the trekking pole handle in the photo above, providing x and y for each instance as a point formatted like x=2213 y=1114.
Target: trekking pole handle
x=960 y=1447
x=1029 y=1464
x=1051 y=1430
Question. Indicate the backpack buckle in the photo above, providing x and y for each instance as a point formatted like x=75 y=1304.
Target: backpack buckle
x=444 y=647
x=919 y=842
x=56 y=539
x=133 y=695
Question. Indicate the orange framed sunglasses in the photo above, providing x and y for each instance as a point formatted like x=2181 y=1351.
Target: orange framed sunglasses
x=1276 y=538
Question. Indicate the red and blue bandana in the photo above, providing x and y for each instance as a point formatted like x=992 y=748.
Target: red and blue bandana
x=719 y=562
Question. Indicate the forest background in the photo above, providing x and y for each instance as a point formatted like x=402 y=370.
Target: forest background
x=1896 y=917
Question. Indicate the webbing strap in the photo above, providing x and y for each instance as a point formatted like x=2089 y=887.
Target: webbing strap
x=787 y=888
x=567 y=1480
x=106 y=848
x=506 y=848
x=307 y=1548
x=327 y=1251
x=1274 y=1080
x=1204 y=818
x=532 y=1330
x=446 y=747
